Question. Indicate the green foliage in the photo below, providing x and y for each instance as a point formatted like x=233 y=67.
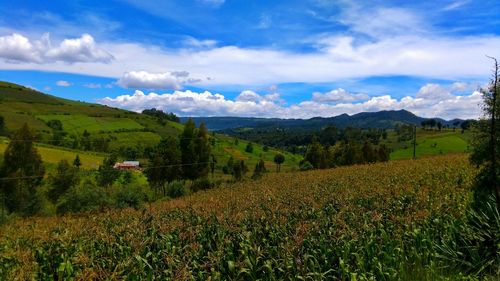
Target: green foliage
x=239 y=170
x=131 y=195
x=107 y=174
x=202 y=184
x=2 y=125
x=77 y=162
x=84 y=197
x=55 y=124
x=164 y=163
x=188 y=150
x=202 y=150
x=260 y=169
x=177 y=189
x=161 y=116
x=306 y=165
x=24 y=166
x=279 y=159
x=486 y=143
x=66 y=177
x=249 y=147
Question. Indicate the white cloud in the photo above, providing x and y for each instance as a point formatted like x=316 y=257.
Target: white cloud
x=62 y=83
x=455 y=5
x=92 y=86
x=196 y=43
x=81 y=49
x=338 y=96
x=249 y=103
x=18 y=49
x=338 y=58
x=145 y=80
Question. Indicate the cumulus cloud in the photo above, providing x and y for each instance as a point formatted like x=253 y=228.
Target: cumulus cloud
x=146 y=80
x=250 y=103
x=338 y=96
x=62 y=83
x=17 y=48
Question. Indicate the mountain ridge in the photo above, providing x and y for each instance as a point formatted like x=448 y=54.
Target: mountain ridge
x=384 y=119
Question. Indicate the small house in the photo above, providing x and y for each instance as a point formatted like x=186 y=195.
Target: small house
x=128 y=165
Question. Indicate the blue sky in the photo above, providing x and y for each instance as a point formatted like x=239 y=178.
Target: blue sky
x=255 y=58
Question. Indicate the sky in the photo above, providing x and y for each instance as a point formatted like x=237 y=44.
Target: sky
x=259 y=58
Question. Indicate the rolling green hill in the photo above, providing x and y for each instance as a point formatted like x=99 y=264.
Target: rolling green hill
x=19 y=105
x=432 y=142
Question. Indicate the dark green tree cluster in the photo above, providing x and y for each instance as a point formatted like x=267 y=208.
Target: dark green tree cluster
x=161 y=116
x=187 y=158
x=260 y=169
x=22 y=173
x=2 y=125
x=344 y=153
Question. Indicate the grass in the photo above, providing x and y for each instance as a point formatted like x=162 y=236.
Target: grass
x=52 y=155
x=225 y=147
x=79 y=123
x=431 y=143
x=366 y=222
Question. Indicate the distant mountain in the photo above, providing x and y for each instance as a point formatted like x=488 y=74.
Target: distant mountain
x=381 y=119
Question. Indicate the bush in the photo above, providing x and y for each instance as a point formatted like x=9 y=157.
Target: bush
x=306 y=166
x=177 y=189
x=202 y=184
x=132 y=195
x=85 y=197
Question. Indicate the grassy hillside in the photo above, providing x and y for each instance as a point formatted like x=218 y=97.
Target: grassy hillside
x=19 y=105
x=385 y=221
x=51 y=155
x=432 y=142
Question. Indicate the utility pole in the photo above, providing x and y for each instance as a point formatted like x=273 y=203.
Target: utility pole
x=414 y=141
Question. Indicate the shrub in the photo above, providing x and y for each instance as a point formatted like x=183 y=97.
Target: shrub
x=85 y=197
x=177 y=189
x=132 y=195
x=305 y=166
x=201 y=184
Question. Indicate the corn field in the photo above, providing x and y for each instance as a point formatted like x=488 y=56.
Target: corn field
x=366 y=222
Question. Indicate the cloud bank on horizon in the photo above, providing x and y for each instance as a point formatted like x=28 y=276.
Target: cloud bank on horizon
x=216 y=57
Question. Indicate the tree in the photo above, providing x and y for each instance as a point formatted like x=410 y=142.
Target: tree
x=66 y=177
x=2 y=125
x=487 y=145
x=164 y=164
x=24 y=166
x=382 y=153
x=315 y=154
x=239 y=170
x=77 y=162
x=202 y=150
x=107 y=174
x=213 y=162
x=369 y=155
x=249 y=147
x=259 y=170
x=279 y=159
x=188 y=150
x=439 y=125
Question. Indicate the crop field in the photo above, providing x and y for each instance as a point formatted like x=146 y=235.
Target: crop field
x=366 y=222
x=79 y=123
x=433 y=143
x=52 y=155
